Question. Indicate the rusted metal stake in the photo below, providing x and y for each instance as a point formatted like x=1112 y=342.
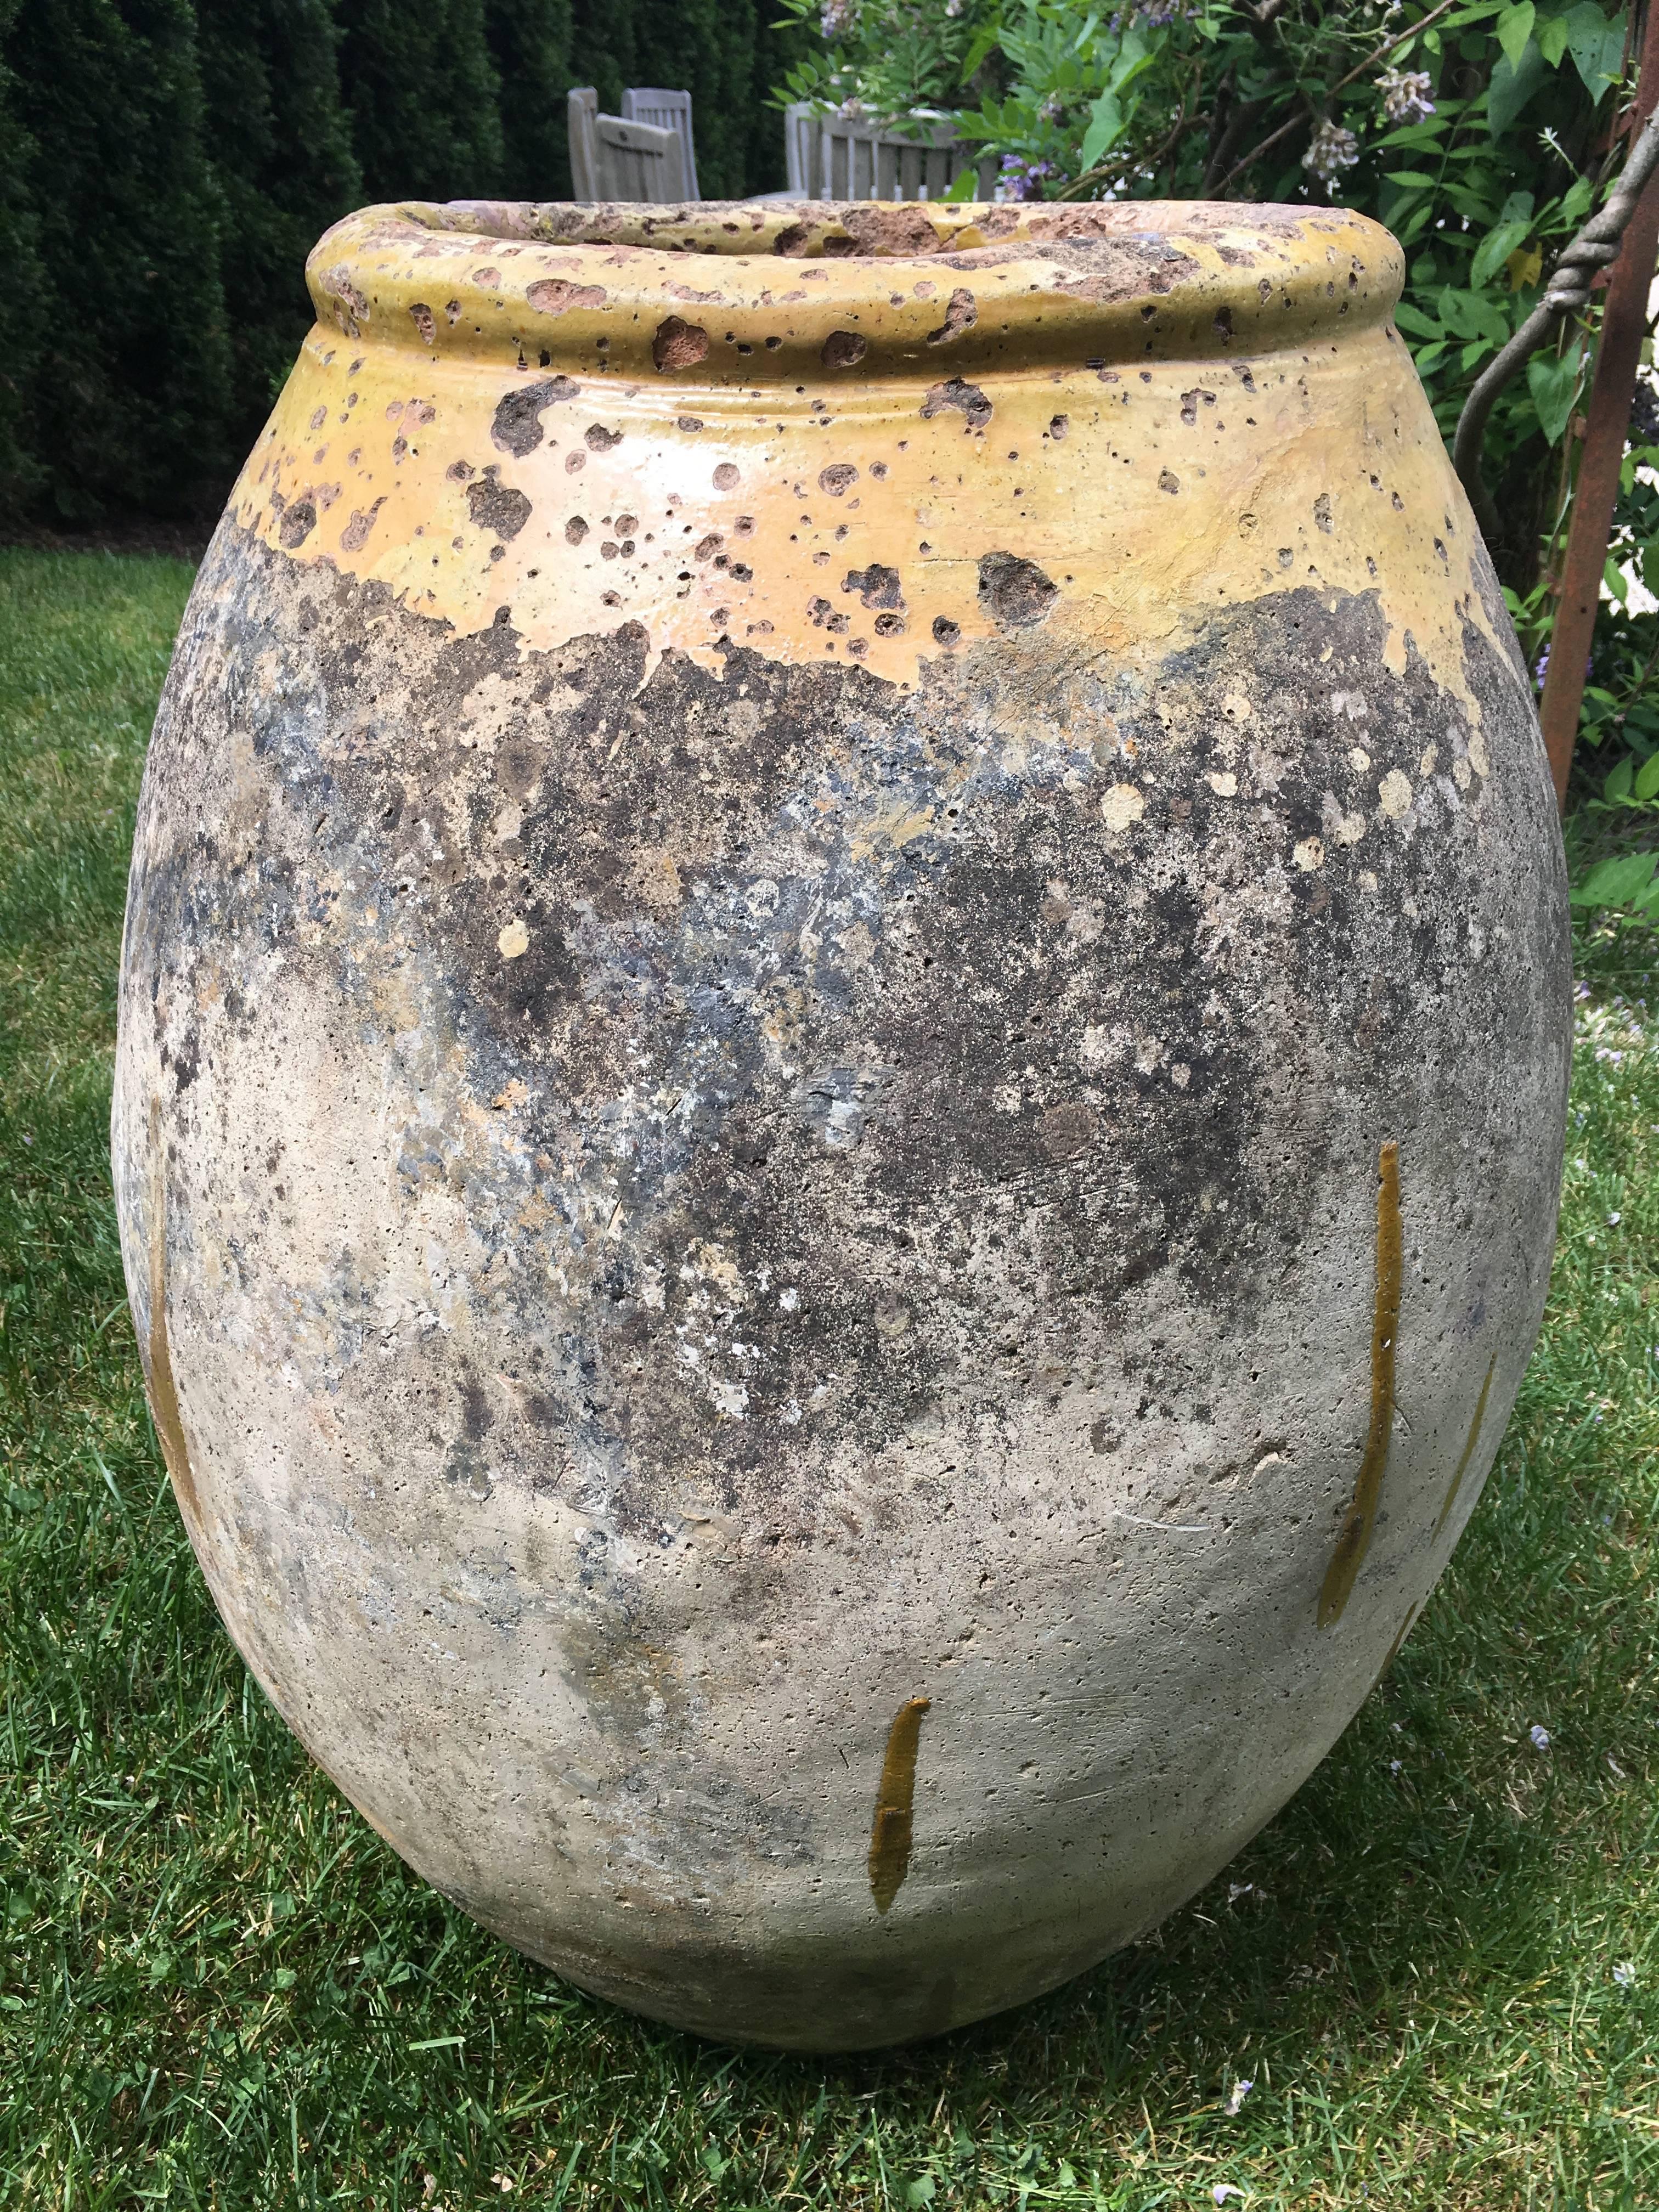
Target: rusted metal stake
x=1624 y=327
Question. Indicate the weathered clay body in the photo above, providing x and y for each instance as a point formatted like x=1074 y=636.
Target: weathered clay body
x=843 y=1040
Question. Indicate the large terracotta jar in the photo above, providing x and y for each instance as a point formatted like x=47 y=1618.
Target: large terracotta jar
x=843 y=1037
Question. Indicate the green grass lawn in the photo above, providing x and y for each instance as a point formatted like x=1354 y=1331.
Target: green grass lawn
x=1438 y=1968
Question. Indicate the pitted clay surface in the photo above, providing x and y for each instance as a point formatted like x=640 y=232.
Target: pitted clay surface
x=780 y=1292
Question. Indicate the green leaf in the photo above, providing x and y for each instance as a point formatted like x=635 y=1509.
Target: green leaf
x=1615 y=585
x=1646 y=783
x=1415 y=323
x=1468 y=315
x=1621 y=882
x=1553 y=385
x=1413 y=134
x=1552 y=40
x=1517 y=208
x=1515 y=28
x=1511 y=88
x=1411 y=180
x=1596 y=43
x=1494 y=250
x=965 y=187
x=1105 y=125
x=1620 y=780
x=985 y=42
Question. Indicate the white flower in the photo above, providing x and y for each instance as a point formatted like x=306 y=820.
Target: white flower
x=1236 y=2095
x=1224 y=2189
x=1541 y=1737
x=1625 y=1973
x=1332 y=151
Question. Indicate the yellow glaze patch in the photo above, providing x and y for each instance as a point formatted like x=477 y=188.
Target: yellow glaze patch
x=872 y=434
x=891 y=1830
x=1355 y=1539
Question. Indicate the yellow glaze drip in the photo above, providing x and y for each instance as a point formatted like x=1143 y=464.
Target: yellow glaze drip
x=1354 y=1541
x=1469 y=1449
x=890 y=1831
x=163 y=1395
x=1392 y=1652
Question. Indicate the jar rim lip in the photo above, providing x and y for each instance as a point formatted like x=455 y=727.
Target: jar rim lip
x=733 y=290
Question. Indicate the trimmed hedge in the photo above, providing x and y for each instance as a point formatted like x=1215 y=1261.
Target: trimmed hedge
x=165 y=165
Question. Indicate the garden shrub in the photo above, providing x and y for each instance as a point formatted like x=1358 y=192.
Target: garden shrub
x=130 y=394
x=166 y=165
x=270 y=84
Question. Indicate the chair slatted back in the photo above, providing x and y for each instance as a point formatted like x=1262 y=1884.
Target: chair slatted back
x=666 y=110
x=582 y=109
x=837 y=157
x=637 y=161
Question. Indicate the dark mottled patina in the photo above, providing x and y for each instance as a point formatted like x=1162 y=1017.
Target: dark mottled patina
x=683 y=1202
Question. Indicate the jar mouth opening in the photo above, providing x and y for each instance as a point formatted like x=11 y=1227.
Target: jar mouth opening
x=723 y=290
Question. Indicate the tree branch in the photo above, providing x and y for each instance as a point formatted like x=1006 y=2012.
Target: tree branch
x=1379 y=54
x=1245 y=114
x=1567 y=293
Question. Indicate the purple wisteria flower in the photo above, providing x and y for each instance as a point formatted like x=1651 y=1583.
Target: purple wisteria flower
x=1151 y=15
x=1406 y=96
x=1022 y=179
x=1332 y=151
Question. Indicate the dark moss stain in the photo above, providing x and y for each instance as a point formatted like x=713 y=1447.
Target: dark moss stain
x=1462 y=1466
x=961 y=313
x=967 y=399
x=890 y=1831
x=297 y=523
x=501 y=509
x=1013 y=591
x=1354 y=1541
x=876 y=585
x=750 y=1023
x=517 y=427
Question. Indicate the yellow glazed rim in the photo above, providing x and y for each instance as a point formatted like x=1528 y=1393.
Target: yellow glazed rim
x=735 y=293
